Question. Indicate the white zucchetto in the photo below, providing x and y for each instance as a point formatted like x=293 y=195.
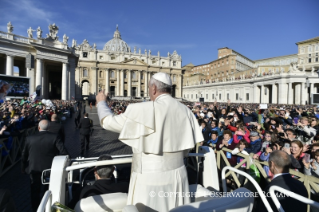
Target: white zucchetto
x=163 y=77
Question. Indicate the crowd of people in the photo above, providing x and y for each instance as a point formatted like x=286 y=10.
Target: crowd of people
x=248 y=129
x=40 y=148
x=242 y=128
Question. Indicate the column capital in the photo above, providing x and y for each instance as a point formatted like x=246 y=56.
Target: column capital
x=10 y=55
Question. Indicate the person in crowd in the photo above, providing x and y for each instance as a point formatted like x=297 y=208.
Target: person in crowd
x=255 y=142
x=205 y=131
x=279 y=164
x=85 y=127
x=213 y=139
x=290 y=134
x=304 y=131
x=37 y=155
x=312 y=167
x=56 y=127
x=296 y=154
x=249 y=117
x=227 y=141
x=77 y=116
x=214 y=127
x=314 y=123
x=222 y=113
x=147 y=127
x=241 y=133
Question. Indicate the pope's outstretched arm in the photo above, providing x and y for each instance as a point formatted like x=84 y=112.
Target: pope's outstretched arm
x=108 y=120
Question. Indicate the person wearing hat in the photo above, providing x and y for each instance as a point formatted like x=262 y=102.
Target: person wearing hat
x=255 y=142
x=161 y=132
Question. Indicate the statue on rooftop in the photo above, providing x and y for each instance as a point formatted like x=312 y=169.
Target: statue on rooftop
x=10 y=27
x=39 y=32
x=65 y=39
x=73 y=43
x=30 y=32
x=53 y=31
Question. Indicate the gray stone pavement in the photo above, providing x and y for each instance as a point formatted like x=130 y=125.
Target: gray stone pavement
x=102 y=142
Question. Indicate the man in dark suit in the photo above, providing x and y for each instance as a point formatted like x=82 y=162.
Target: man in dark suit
x=279 y=163
x=103 y=183
x=56 y=127
x=37 y=155
x=85 y=131
x=77 y=116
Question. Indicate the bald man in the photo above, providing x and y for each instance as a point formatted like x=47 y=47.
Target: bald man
x=37 y=155
x=279 y=164
x=56 y=127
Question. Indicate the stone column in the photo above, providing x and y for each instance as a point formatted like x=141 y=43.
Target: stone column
x=122 y=83
x=139 y=83
x=274 y=94
x=129 y=83
x=107 y=80
x=283 y=93
x=9 y=65
x=255 y=94
x=146 y=83
x=290 y=94
x=117 y=82
x=72 y=79
x=180 y=85
x=64 y=90
x=78 y=85
x=262 y=94
x=43 y=82
x=312 y=87
x=298 y=94
x=39 y=73
x=304 y=93
x=94 y=84
x=30 y=73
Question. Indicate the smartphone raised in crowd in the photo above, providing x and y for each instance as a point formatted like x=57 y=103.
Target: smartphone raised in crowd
x=307 y=158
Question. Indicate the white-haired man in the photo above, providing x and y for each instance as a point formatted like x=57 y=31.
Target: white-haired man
x=160 y=132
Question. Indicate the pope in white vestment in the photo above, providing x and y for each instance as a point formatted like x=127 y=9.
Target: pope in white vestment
x=160 y=132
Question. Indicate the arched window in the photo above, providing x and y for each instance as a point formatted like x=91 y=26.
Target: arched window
x=134 y=75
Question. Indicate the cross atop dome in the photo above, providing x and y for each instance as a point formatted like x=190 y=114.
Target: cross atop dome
x=117 y=33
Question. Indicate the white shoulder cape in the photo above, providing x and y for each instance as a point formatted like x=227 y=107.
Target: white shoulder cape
x=163 y=125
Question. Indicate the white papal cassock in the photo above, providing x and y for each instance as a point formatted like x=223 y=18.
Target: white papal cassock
x=160 y=132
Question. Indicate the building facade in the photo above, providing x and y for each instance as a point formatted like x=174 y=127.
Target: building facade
x=289 y=79
x=77 y=71
x=123 y=72
x=54 y=61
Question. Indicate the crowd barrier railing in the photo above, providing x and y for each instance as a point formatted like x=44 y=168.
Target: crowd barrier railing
x=311 y=183
x=10 y=156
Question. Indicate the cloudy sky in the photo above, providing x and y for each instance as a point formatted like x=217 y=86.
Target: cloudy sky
x=195 y=29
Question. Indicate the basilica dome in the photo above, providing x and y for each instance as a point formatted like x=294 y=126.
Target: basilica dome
x=117 y=44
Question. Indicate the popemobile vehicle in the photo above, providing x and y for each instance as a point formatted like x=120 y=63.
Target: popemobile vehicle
x=66 y=172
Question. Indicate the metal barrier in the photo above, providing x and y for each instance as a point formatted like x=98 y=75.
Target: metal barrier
x=307 y=201
x=311 y=183
x=10 y=156
x=46 y=202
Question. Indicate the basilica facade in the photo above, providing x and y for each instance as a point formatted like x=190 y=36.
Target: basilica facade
x=124 y=72
x=68 y=72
